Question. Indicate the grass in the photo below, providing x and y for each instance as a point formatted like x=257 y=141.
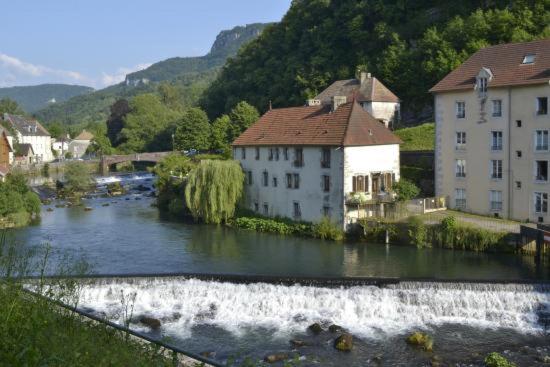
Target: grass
x=421 y=137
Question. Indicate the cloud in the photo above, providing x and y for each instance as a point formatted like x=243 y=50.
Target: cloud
x=120 y=74
x=13 y=68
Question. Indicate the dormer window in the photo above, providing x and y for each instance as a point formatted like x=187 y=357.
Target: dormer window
x=529 y=59
x=482 y=85
x=482 y=80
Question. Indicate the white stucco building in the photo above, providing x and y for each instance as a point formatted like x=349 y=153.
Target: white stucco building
x=492 y=132
x=302 y=162
x=79 y=145
x=30 y=131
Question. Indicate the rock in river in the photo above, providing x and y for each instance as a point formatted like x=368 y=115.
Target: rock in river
x=276 y=357
x=315 y=328
x=421 y=340
x=344 y=342
x=335 y=328
x=150 y=321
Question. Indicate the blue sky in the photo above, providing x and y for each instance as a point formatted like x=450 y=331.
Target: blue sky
x=97 y=42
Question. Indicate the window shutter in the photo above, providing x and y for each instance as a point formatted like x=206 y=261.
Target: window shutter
x=367 y=184
x=354 y=184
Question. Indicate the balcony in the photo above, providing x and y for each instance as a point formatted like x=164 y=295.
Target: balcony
x=298 y=163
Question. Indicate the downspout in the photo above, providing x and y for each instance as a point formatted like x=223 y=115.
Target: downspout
x=510 y=175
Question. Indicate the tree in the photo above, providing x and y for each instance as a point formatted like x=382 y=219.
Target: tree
x=170 y=95
x=220 y=138
x=10 y=106
x=56 y=130
x=405 y=190
x=115 y=123
x=17 y=202
x=192 y=130
x=213 y=190
x=78 y=179
x=242 y=116
x=100 y=144
x=171 y=172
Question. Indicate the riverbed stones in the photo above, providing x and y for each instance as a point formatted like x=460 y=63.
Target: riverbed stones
x=421 y=340
x=315 y=328
x=297 y=343
x=344 y=342
x=49 y=210
x=275 y=357
x=105 y=204
x=335 y=328
x=88 y=208
x=150 y=322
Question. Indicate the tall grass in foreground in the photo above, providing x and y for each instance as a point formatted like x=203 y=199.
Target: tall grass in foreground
x=36 y=332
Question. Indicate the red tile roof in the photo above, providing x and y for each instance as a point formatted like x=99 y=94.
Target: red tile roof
x=349 y=125
x=505 y=63
x=371 y=90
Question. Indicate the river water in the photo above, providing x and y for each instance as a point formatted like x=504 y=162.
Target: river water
x=129 y=236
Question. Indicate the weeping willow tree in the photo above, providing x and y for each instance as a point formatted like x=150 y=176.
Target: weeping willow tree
x=213 y=189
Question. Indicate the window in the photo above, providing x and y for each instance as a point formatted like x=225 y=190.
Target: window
x=325 y=158
x=497 y=108
x=326 y=211
x=297 y=210
x=270 y=155
x=496 y=169
x=541 y=170
x=276 y=154
x=528 y=59
x=541 y=202
x=243 y=153
x=266 y=209
x=387 y=181
x=360 y=184
x=519 y=153
x=285 y=153
x=249 y=177
x=257 y=153
x=460 y=140
x=256 y=207
x=265 y=178
x=518 y=185
x=518 y=123
x=325 y=183
x=275 y=182
x=496 y=140
x=495 y=198
x=296 y=178
x=541 y=140
x=542 y=105
x=482 y=84
x=460 y=198
x=460 y=110
x=460 y=168
x=298 y=157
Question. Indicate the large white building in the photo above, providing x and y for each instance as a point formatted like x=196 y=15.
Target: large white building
x=492 y=132
x=30 y=131
x=304 y=162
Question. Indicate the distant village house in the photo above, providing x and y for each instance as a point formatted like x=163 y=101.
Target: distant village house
x=30 y=131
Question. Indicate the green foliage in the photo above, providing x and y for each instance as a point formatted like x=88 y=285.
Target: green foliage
x=326 y=230
x=192 y=130
x=8 y=105
x=405 y=190
x=221 y=134
x=421 y=340
x=409 y=46
x=418 y=233
x=242 y=116
x=274 y=225
x=376 y=230
x=78 y=179
x=420 y=137
x=100 y=144
x=213 y=189
x=496 y=360
x=56 y=130
x=32 y=98
x=18 y=204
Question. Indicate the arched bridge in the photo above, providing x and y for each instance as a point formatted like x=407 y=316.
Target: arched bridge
x=108 y=160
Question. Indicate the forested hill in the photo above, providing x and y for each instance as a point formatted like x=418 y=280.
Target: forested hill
x=35 y=97
x=408 y=44
x=190 y=74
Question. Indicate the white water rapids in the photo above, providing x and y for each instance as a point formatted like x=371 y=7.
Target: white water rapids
x=125 y=178
x=366 y=311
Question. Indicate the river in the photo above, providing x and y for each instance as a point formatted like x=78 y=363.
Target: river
x=468 y=320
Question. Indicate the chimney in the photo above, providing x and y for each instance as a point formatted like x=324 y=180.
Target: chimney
x=337 y=101
x=364 y=77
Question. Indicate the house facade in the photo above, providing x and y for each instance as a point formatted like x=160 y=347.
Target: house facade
x=79 y=145
x=304 y=162
x=31 y=132
x=492 y=132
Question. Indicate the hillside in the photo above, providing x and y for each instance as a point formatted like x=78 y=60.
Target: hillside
x=35 y=97
x=191 y=75
x=421 y=137
x=408 y=45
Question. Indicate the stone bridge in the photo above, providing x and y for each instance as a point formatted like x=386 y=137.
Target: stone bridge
x=108 y=160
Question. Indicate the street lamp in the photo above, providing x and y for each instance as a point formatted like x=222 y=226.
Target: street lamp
x=173 y=144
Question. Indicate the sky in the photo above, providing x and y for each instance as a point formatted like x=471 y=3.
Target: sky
x=97 y=42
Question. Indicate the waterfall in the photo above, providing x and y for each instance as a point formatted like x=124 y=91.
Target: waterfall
x=124 y=178
x=366 y=311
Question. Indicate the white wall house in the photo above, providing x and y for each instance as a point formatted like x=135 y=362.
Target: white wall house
x=493 y=132
x=29 y=131
x=302 y=162
x=79 y=145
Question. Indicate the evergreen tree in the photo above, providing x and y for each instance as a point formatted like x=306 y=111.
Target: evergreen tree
x=115 y=123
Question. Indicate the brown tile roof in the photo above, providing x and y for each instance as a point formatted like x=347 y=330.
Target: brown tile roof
x=26 y=126
x=84 y=135
x=372 y=90
x=349 y=125
x=505 y=63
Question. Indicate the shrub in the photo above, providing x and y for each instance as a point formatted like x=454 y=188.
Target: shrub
x=418 y=233
x=78 y=179
x=496 y=360
x=17 y=202
x=326 y=230
x=376 y=230
x=283 y=226
x=421 y=340
x=46 y=170
x=405 y=190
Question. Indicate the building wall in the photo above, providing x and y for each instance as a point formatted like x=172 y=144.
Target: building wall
x=518 y=103
x=309 y=195
x=78 y=147
x=382 y=110
x=41 y=145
